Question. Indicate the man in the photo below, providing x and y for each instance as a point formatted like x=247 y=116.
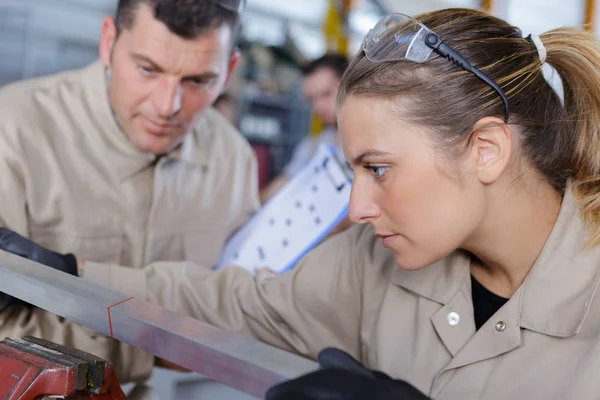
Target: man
x=321 y=78
x=124 y=161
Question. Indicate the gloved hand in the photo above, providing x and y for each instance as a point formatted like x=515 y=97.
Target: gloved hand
x=9 y=301
x=341 y=377
x=14 y=243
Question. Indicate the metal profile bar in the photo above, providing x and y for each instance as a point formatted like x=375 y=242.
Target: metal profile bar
x=243 y=364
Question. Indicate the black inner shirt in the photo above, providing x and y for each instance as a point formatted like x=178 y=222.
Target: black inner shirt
x=485 y=303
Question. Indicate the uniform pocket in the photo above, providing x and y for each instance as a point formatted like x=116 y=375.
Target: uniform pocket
x=101 y=248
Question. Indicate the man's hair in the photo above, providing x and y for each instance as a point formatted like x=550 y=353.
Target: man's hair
x=185 y=18
x=336 y=62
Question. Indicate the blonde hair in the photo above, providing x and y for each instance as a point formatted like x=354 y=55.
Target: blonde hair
x=576 y=57
x=560 y=140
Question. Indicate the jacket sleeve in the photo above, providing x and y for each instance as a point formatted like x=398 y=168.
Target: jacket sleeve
x=317 y=304
x=131 y=364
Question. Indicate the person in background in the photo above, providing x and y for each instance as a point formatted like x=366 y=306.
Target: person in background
x=321 y=79
x=474 y=270
x=124 y=161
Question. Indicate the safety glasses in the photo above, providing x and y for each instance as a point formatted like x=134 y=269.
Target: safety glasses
x=401 y=37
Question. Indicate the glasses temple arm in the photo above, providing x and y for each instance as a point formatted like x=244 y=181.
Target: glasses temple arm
x=440 y=47
x=493 y=85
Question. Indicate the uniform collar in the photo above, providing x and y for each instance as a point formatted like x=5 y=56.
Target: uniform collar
x=557 y=293
x=440 y=281
x=126 y=158
x=194 y=149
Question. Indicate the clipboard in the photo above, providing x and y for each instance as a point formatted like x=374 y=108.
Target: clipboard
x=300 y=215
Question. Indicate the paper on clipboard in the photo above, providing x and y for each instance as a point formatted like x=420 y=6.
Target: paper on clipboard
x=296 y=219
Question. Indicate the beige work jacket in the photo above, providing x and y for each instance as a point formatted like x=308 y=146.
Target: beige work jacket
x=418 y=326
x=71 y=181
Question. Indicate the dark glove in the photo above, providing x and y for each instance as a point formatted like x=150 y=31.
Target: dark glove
x=341 y=377
x=9 y=301
x=14 y=243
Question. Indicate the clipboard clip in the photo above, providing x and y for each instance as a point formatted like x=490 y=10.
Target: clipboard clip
x=338 y=180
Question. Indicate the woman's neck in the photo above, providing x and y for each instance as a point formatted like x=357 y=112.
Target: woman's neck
x=506 y=245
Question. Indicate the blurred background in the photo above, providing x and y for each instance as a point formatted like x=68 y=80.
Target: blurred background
x=264 y=100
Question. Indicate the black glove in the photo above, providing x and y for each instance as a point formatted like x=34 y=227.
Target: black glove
x=14 y=243
x=341 y=377
x=9 y=301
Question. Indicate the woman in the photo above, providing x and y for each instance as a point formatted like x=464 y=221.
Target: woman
x=474 y=272
x=491 y=207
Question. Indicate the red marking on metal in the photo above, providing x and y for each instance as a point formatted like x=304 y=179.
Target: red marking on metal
x=108 y=311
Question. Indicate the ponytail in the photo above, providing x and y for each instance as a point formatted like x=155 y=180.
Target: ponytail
x=575 y=55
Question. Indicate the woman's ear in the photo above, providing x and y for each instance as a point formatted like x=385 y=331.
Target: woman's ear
x=490 y=149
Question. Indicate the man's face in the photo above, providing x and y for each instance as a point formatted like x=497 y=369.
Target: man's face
x=321 y=88
x=161 y=83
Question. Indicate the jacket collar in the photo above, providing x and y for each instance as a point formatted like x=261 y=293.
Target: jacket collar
x=557 y=293
x=440 y=281
x=127 y=159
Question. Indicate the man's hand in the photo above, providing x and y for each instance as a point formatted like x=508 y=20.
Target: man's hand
x=14 y=243
x=264 y=274
x=342 y=377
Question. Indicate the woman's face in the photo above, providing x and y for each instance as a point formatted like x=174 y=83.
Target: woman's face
x=421 y=205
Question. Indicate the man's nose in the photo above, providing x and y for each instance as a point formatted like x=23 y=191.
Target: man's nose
x=167 y=99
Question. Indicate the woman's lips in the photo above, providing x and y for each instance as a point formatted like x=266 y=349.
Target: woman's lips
x=387 y=239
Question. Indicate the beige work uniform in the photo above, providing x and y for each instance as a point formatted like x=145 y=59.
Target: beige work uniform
x=418 y=326
x=71 y=181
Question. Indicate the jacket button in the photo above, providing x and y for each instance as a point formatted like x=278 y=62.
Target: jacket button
x=500 y=326
x=453 y=318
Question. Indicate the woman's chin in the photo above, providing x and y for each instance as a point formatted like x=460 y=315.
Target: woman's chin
x=409 y=263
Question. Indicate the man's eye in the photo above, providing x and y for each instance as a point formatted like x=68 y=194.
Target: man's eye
x=201 y=82
x=145 y=70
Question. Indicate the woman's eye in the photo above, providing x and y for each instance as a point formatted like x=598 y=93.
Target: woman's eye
x=378 y=172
